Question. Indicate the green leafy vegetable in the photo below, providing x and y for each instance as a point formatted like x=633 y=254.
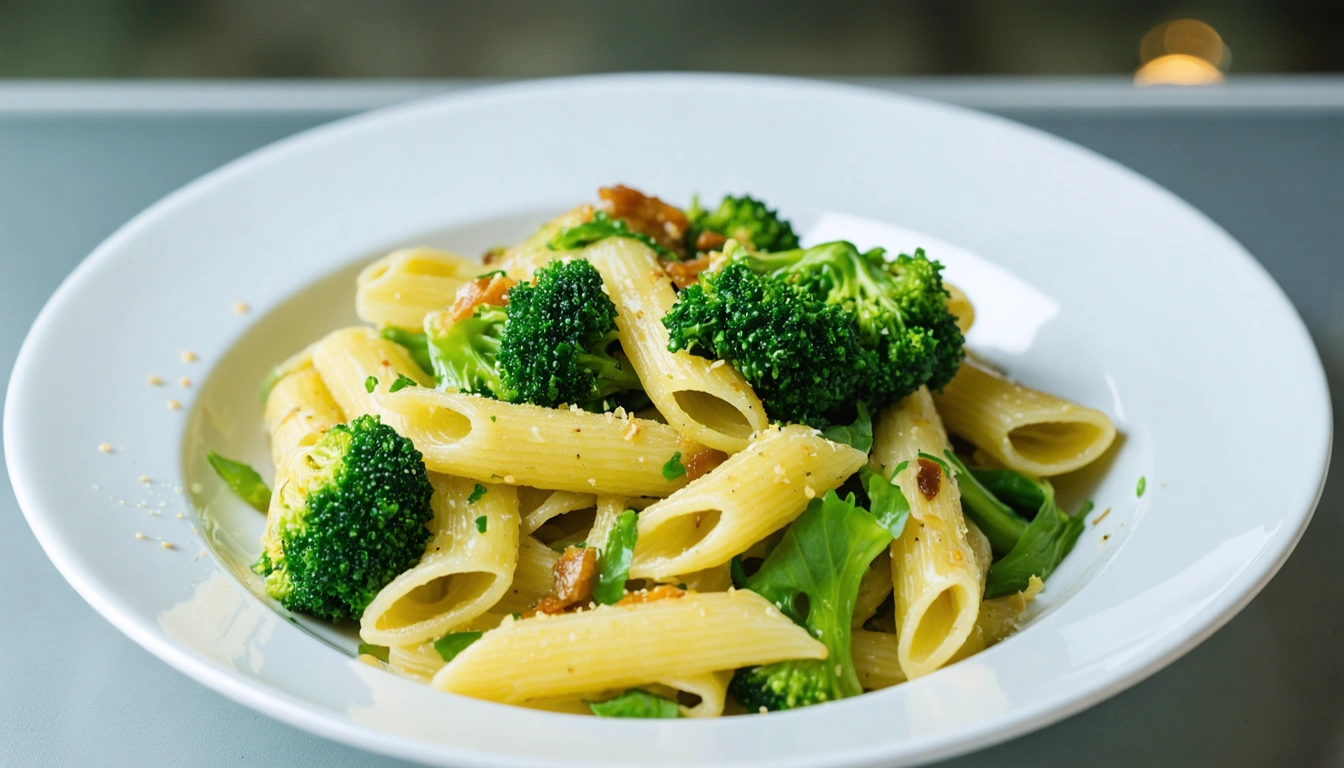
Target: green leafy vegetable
x=481 y=523
x=370 y=383
x=378 y=652
x=403 y=381
x=492 y=273
x=242 y=480
x=454 y=643
x=886 y=501
x=813 y=577
x=674 y=468
x=415 y=343
x=476 y=493
x=600 y=228
x=613 y=564
x=1000 y=524
x=636 y=702
x=857 y=435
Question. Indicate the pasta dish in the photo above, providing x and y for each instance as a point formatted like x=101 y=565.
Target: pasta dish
x=662 y=462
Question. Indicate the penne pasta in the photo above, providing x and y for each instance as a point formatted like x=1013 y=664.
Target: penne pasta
x=566 y=450
x=616 y=647
x=874 y=589
x=532 y=579
x=299 y=410
x=1025 y=429
x=934 y=570
x=556 y=504
x=960 y=307
x=876 y=659
x=751 y=495
x=467 y=567
x=707 y=401
x=352 y=359
x=404 y=286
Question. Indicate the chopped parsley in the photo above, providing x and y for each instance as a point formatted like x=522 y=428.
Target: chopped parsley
x=636 y=702
x=476 y=493
x=403 y=381
x=492 y=273
x=492 y=417
x=243 y=480
x=1142 y=486
x=673 y=468
x=370 y=383
x=454 y=643
x=481 y=523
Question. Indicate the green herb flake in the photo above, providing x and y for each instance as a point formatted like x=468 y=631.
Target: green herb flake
x=454 y=643
x=476 y=493
x=403 y=381
x=613 y=563
x=493 y=417
x=1142 y=486
x=378 y=652
x=636 y=702
x=491 y=274
x=243 y=480
x=370 y=383
x=481 y=523
x=673 y=469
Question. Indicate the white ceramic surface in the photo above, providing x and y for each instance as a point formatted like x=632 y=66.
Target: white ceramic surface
x=1088 y=280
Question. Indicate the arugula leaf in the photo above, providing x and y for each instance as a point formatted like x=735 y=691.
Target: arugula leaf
x=454 y=643
x=378 y=652
x=243 y=480
x=674 y=468
x=737 y=572
x=636 y=702
x=476 y=493
x=1047 y=540
x=857 y=435
x=600 y=228
x=415 y=343
x=1012 y=488
x=613 y=564
x=1000 y=524
x=481 y=523
x=886 y=501
x=823 y=556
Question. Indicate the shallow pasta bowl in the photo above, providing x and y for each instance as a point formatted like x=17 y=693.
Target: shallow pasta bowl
x=1084 y=276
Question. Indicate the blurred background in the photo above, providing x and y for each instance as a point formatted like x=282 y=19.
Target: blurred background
x=530 y=38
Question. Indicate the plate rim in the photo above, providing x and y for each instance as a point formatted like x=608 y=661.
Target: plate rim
x=297 y=712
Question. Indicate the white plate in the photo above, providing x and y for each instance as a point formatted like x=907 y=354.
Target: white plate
x=1089 y=281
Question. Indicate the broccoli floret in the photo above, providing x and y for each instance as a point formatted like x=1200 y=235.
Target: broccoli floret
x=815 y=329
x=813 y=577
x=354 y=516
x=550 y=345
x=744 y=219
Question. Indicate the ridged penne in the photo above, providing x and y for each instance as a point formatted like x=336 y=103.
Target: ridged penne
x=744 y=499
x=404 y=286
x=352 y=358
x=616 y=647
x=934 y=570
x=299 y=410
x=566 y=450
x=707 y=401
x=532 y=579
x=467 y=567
x=874 y=588
x=877 y=659
x=1027 y=430
x=960 y=306
x=556 y=504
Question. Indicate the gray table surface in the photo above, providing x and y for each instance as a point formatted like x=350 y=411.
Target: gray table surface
x=1263 y=158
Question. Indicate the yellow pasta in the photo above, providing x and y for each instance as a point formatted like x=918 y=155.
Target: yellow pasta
x=299 y=410
x=467 y=567
x=876 y=659
x=532 y=579
x=404 y=286
x=934 y=570
x=556 y=504
x=1025 y=429
x=565 y=450
x=960 y=307
x=874 y=589
x=352 y=358
x=707 y=401
x=748 y=497
x=615 y=647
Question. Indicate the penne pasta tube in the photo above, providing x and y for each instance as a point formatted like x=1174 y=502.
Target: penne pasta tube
x=707 y=401
x=874 y=589
x=467 y=567
x=558 y=503
x=299 y=410
x=960 y=307
x=422 y=660
x=533 y=578
x=1027 y=430
x=934 y=570
x=404 y=286
x=565 y=450
x=617 y=647
x=350 y=359
x=608 y=509
x=749 y=496
x=876 y=659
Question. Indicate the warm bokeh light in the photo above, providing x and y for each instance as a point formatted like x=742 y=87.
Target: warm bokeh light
x=1182 y=52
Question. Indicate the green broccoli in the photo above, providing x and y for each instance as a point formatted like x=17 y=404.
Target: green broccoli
x=816 y=330
x=550 y=345
x=354 y=517
x=744 y=219
x=813 y=577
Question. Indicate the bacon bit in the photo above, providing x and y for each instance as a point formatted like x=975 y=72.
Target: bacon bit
x=660 y=592
x=930 y=478
x=491 y=290
x=493 y=255
x=709 y=241
x=665 y=223
x=1102 y=516
x=703 y=463
x=573 y=580
x=685 y=273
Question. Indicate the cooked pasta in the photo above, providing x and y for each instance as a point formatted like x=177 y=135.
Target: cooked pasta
x=1026 y=430
x=661 y=462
